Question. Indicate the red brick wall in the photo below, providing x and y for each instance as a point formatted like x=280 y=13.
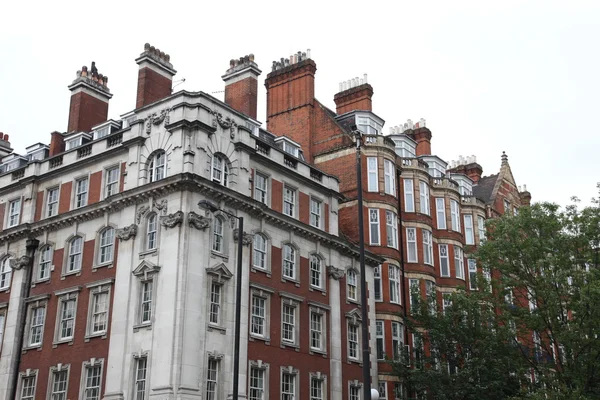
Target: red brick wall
x=95 y=187
x=64 y=202
x=326 y=218
x=304 y=207
x=152 y=87
x=122 y=177
x=277 y=195
x=39 y=202
x=86 y=111
x=57 y=143
x=357 y=98
x=2 y=209
x=242 y=96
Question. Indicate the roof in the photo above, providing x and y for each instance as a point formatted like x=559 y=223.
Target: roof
x=485 y=188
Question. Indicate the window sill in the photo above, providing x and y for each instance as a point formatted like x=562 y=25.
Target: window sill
x=294 y=281
x=68 y=341
x=104 y=265
x=72 y=273
x=40 y=281
x=216 y=254
x=318 y=289
x=5 y=290
x=318 y=352
x=222 y=330
x=90 y=336
x=264 y=271
x=37 y=347
x=285 y=345
x=146 y=325
x=267 y=340
x=147 y=253
x=354 y=361
x=351 y=301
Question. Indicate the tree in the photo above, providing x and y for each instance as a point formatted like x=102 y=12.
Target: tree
x=532 y=330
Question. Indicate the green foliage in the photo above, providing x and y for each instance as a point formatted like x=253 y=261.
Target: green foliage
x=531 y=332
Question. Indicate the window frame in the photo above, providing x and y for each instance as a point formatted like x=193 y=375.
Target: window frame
x=440 y=213
x=380 y=340
x=99 y=288
x=321 y=271
x=442 y=257
x=424 y=200
x=472 y=273
x=5 y=273
x=90 y=365
x=81 y=196
x=469 y=230
x=349 y=285
x=291 y=201
x=395 y=283
x=41 y=260
x=389 y=177
x=214 y=379
x=14 y=214
x=414 y=298
x=377 y=284
x=409 y=195
x=218 y=244
x=263 y=192
x=459 y=262
x=455 y=215
x=265 y=297
x=322 y=379
x=265 y=252
x=136 y=378
x=357 y=343
x=294 y=306
x=294 y=376
x=413 y=243
x=397 y=340
x=289 y=263
x=74 y=258
x=322 y=314
x=148 y=234
x=50 y=210
x=316 y=215
x=391 y=228
x=427 y=247
x=25 y=377
x=72 y=295
x=222 y=168
x=481 y=228
x=374 y=224
x=154 y=167
x=101 y=245
x=58 y=370
x=108 y=184
x=263 y=368
x=35 y=303
x=372 y=174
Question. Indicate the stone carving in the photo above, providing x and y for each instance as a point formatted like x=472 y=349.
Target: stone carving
x=224 y=122
x=157 y=119
x=160 y=205
x=20 y=262
x=198 y=221
x=172 y=220
x=141 y=212
x=247 y=238
x=127 y=233
x=335 y=273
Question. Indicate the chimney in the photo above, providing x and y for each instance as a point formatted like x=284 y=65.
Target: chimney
x=525 y=196
x=155 y=77
x=57 y=143
x=5 y=148
x=291 y=97
x=467 y=166
x=241 y=85
x=89 y=100
x=355 y=95
x=422 y=135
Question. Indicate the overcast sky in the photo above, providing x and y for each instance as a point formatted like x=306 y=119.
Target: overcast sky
x=514 y=76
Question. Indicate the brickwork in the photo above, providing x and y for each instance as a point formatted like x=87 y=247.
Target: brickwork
x=356 y=98
x=152 y=87
x=242 y=96
x=85 y=112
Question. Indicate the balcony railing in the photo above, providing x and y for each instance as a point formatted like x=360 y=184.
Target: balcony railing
x=114 y=140
x=84 y=151
x=56 y=161
x=290 y=162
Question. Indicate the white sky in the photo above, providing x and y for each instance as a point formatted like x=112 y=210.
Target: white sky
x=518 y=76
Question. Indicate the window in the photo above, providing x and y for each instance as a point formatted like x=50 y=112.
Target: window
x=380 y=339
x=446 y=301
x=418 y=350
x=146 y=302
x=81 y=192
x=515 y=211
x=440 y=210
x=59 y=384
x=2 y=320
x=14 y=213
x=212 y=374
x=28 y=387
x=315 y=212
x=93 y=377
x=472 y=274
x=289 y=201
x=459 y=262
x=52 y=202
x=157 y=166
x=257 y=383
x=152 y=232
x=444 y=262
x=398 y=391
x=259 y=252
x=372 y=175
x=391 y=224
x=66 y=327
x=415 y=292
x=506 y=207
x=258 y=324
x=99 y=311
x=431 y=297
x=368 y=125
x=317 y=330
x=353 y=349
x=351 y=285
x=354 y=392
x=394 y=275
x=390 y=180
x=141 y=368
x=5 y=274
x=75 y=250
x=45 y=261
x=377 y=283
x=316 y=388
x=455 y=215
x=411 y=244
x=290 y=148
x=219 y=170
x=409 y=196
x=316 y=272
x=215 y=304
x=36 y=326
x=427 y=247
x=424 y=197
x=288 y=386
x=289 y=325
x=289 y=262
x=107 y=244
x=382 y=389
x=260 y=187
x=481 y=228
x=217 y=231
x=374 y=226
x=397 y=339
x=111 y=184
x=469 y=235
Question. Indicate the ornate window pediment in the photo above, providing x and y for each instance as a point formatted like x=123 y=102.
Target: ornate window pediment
x=220 y=271
x=146 y=268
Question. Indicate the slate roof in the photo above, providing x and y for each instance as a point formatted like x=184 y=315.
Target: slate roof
x=485 y=188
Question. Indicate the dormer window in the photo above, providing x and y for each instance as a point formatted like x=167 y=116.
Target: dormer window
x=437 y=166
x=73 y=143
x=290 y=149
x=405 y=147
x=288 y=146
x=105 y=129
x=368 y=125
x=100 y=133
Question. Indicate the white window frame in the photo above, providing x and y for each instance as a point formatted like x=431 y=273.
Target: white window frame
x=218 y=235
x=5 y=274
x=374 y=227
x=412 y=284
x=380 y=339
x=260 y=259
x=151 y=234
x=215 y=303
x=219 y=169
x=3 y=323
x=390 y=179
x=14 y=213
x=427 y=247
x=446 y=301
x=397 y=339
x=55 y=371
x=391 y=224
x=82 y=191
x=30 y=375
x=146 y=301
x=394 y=278
x=382 y=389
x=290 y=326
x=263 y=369
x=111 y=181
x=353 y=338
x=74 y=259
x=318 y=386
x=36 y=321
x=424 y=206
x=472 y=274
x=289 y=268
x=444 y=259
x=469 y=234
x=264 y=298
x=455 y=215
x=481 y=227
x=291 y=391
x=412 y=253
x=52 y=202
x=354 y=390
x=352 y=285
x=377 y=284
x=459 y=262
x=213 y=368
x=261 y=194
x=90 y=365
x=409 y=195
x=45 y=256
x=316 y=212
x=290 y=197
x=506 y=207
x=97 y=289
x=70 y=297
x=157 y=167
x=147 y=278
x=106 y=246
x=372 y=174
x=431 y=293
x=139 y=380
x=440 y=212
x=316 y=272
x=318 y=333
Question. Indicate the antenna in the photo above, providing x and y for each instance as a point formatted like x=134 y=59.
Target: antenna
x=179 y=82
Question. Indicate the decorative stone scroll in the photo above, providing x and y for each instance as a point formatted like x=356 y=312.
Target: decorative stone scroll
x=157 y=119
x=224 y=122
x=172 y=220
x=247 y=238
x=335 y=273
x=127 y=232
x=20 y=262
x=198 y=221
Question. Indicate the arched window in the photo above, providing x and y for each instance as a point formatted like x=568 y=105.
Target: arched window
x=316 y=271
x=289 y=262
x=75 y=252
x=152 y=232
x=351 y=285
x=259 y=254
x=5 y=273
x=217 y=242
x=45 y=262
x=107 y=244
x=157 y=166
x=219 y=169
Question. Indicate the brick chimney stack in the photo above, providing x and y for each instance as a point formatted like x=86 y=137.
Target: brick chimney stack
x=89 y=100
x=467 y=166
x=241 y=85
x=155 y=76
x=525 y=196
x=5 y=148
x=57 y=143
x=354 y=95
